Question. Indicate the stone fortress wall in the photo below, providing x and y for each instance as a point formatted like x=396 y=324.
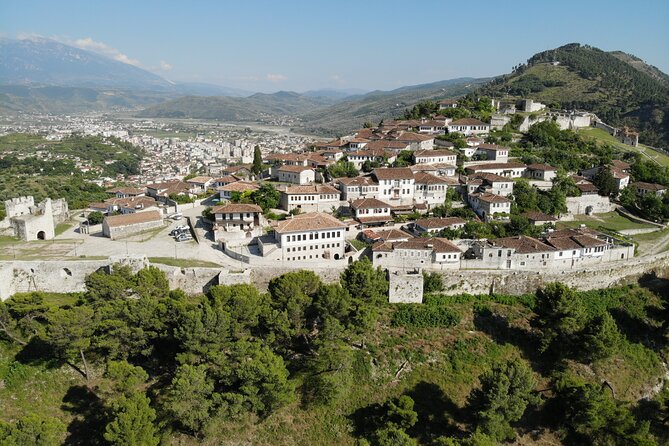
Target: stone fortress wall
x=69 y=276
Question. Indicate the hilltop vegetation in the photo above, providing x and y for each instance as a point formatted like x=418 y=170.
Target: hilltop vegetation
x=619 y=88
x=31 y=165
x=131 y=362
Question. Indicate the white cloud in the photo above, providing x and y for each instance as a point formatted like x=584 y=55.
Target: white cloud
x=276 y=77
x=104 y=49
x=164 y=66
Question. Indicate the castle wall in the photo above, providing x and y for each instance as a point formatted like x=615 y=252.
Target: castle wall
x=69 y=276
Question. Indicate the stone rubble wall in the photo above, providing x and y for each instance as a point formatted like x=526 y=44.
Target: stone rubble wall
x=69 y=276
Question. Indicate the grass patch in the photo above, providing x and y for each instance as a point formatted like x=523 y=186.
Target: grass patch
x=62 y=227
x=604 y=136
x=358 y=244
x=184 y=263
x=611 y=221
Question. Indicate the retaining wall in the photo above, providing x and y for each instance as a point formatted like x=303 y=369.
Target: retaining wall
x=62 y=277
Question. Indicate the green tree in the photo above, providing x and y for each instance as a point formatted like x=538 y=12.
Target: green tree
x=597 y=419
x=605 y=182
x=189 y=397
x=95 y=218
x=561 y=316
x=432 y=282
x=365 y=282
x=267 y=197
x=400 y=412
x=69 y=333
x=33 y=430
x=126 y=378
x=132 y=422
x=343 y=168
x=525 y=196
x=392 y=436
x=505 y=393
x=256 y=168
x=151 y=282
x=262 y=378
x=601 y=338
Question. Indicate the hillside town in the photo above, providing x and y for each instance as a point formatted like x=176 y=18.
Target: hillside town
x=431 y=193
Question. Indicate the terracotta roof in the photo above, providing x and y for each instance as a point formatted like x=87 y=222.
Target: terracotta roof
x=314 y=189
x=468 y=121
x=393 y=173
x=236 y=208
x=649 y=186
x=375 y=219
x=495 y=166
x=358 y=181
x=295 y=169
x=620 y=164
x=169 y=185
x=388 y=234
x=116 y=221
x=438 y=223
x=542 y=167
x=309 y=222
x=445 y=245
x=487 y=176
x=199 y=180
x=562 y=243
x=538 y=216
x=448 y=101
x=227 y=179
x=426 y=178
x=410 y=136
x=131 y=202
x=369 y=203
x=521 y=244
x=239 y=186
x=432 y=244
x=491 y=198
x=434 y=153
x=587 y=187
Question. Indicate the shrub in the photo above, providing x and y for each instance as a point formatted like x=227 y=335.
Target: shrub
x=424 y=316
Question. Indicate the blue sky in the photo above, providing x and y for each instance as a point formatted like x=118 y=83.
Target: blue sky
x=302 y=45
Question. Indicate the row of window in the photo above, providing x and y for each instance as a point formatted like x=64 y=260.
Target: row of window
x=373 y=211
x=312 y=247
x=313 y=236
x=294 y=198
x=236 y=216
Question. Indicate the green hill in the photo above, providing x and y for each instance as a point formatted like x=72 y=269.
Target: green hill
x=352 y=112
x=620 y=88
x=253 y=108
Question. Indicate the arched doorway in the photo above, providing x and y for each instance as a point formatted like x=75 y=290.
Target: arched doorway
x=336 y=256
x=41 y=235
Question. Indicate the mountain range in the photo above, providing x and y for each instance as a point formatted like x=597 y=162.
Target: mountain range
x=43 y=75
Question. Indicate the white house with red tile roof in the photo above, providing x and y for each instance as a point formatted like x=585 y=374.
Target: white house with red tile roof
x=489 y=206
x=468 y=127
x=310 y=198
x=311 y=237
x=295 y=174
x=371 y=212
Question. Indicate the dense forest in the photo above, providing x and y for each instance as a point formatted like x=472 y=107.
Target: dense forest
x=587 y=78
x=131 y=362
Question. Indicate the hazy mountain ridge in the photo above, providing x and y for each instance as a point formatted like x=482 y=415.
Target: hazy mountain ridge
x=352 y=112
x=255 y=107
